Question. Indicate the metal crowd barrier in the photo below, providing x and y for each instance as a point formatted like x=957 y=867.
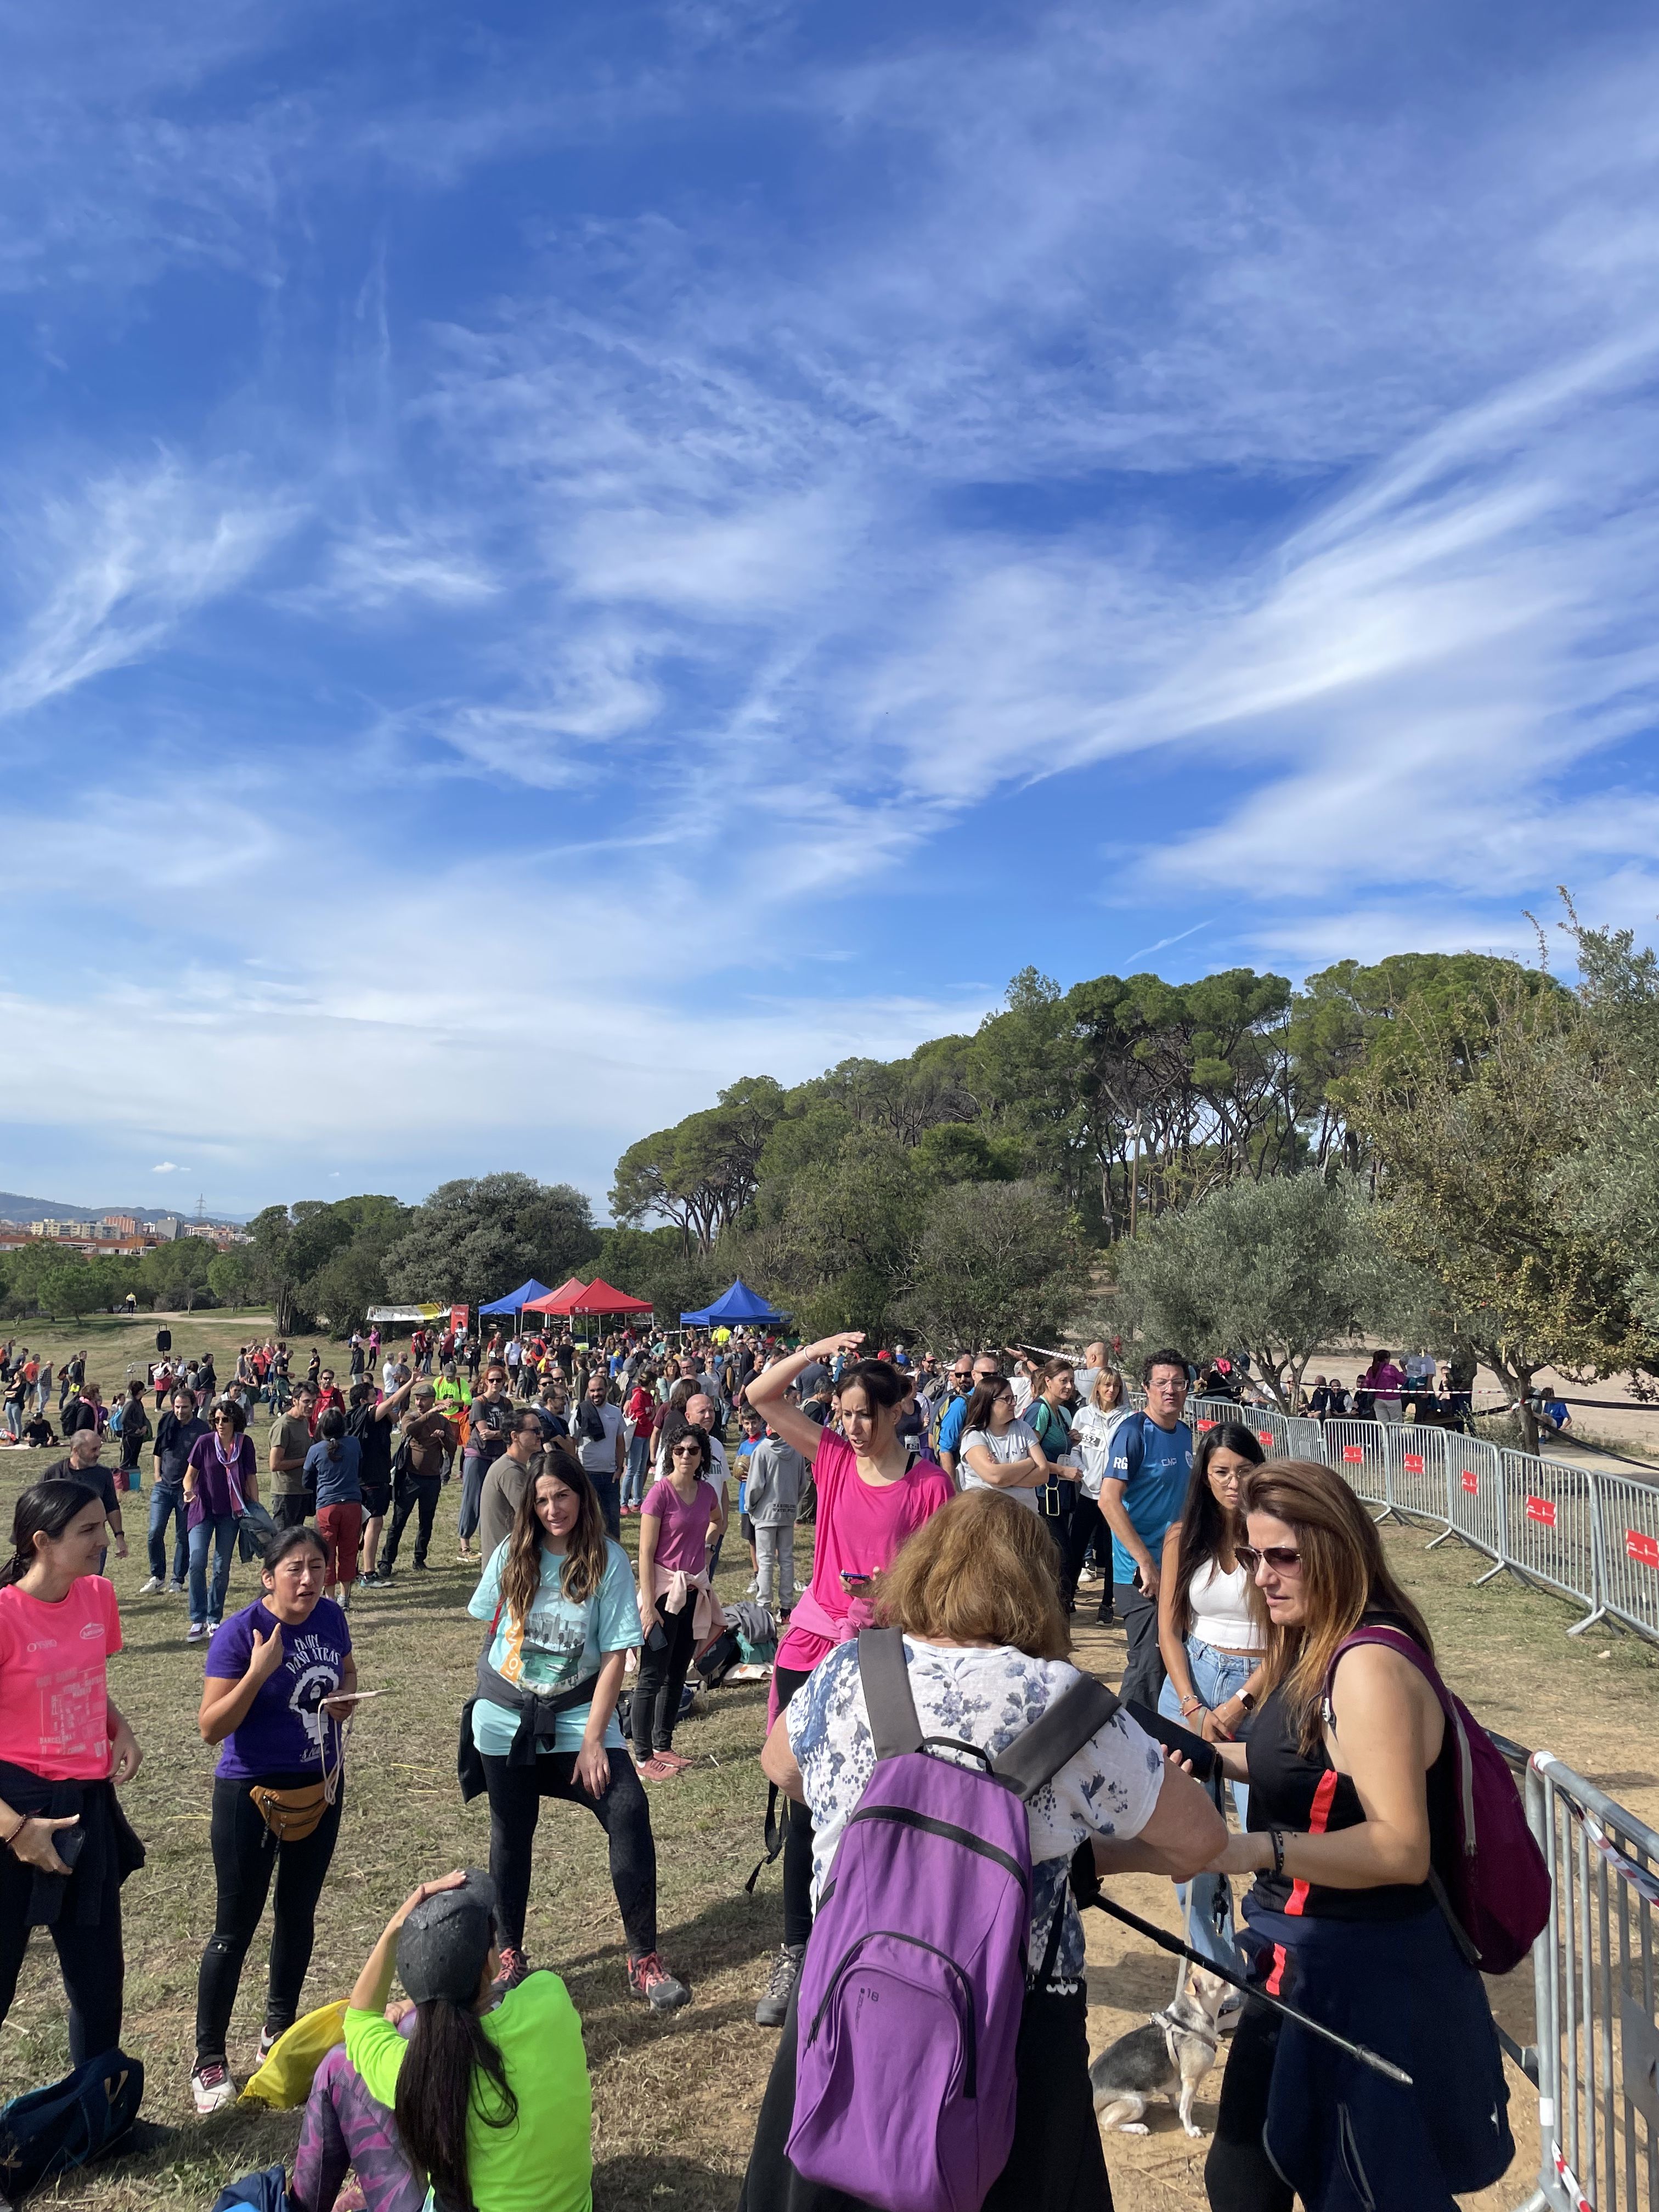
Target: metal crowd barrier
x=1591 y=1537
x=1597 y=2052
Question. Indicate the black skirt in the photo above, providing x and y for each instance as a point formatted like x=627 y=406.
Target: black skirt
x=1056 y=2164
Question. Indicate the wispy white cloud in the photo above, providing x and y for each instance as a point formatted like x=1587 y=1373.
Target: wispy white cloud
x=107 y=573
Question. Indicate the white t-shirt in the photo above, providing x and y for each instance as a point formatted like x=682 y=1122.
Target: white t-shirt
x=1091 y=1436
x=1016 y=1442
x=987 y=1697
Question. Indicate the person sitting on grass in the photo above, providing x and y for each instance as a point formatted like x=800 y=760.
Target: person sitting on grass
x=465 y=2095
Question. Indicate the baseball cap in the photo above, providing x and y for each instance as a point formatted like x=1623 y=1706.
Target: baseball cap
x=443 y=1944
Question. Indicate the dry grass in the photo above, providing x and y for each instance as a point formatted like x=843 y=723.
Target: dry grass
x=675 y=2100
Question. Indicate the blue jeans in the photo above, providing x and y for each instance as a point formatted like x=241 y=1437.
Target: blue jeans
x=205 y=1605
x=1206 y=1901
x=167 y=1503
x=639 y=1461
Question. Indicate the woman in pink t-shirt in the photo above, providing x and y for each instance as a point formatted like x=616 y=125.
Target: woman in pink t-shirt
x=678 y=1611
x=871 y=1494
x=62 y=1748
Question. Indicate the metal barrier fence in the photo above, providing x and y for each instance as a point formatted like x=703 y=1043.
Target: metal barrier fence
x=1589 y=1537
x=1597 y=2052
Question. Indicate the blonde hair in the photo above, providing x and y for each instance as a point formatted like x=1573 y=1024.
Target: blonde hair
x=1107 y=1375
x=1343 y=1576
x=982 y=1570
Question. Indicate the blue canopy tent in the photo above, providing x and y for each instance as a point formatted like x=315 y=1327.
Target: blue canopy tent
x=738 y=1306
x=516 y=1301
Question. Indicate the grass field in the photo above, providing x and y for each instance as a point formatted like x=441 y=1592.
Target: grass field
x=674 y=2098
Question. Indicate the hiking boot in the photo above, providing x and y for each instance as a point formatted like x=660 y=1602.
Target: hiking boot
x=513 y=1968
x=211 y=2087
x=780 y=1985
x=153 y=1587
x=650 y=1978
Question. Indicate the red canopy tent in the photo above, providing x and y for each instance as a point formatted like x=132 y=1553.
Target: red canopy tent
x=597 y=1296
x=558 y=1302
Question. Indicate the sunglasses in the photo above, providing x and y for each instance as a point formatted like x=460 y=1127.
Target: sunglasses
x=1283 y=1558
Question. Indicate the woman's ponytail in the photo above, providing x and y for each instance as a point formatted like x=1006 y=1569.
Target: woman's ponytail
x=438 y=2091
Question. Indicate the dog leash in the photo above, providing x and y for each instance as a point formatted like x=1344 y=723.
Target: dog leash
x=1085 y=1887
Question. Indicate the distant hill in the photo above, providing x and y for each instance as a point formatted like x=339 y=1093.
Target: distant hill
x=14 y=1207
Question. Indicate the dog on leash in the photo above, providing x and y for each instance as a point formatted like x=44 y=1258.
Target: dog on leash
x=1168 y=2058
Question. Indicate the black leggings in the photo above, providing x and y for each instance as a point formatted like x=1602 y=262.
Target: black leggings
x=515 y=1804
x=90 y=1958
x=244 y=1856
x=1088 y=1522
x=797 y=1836
x=1238 y=2175
x=661 y=1678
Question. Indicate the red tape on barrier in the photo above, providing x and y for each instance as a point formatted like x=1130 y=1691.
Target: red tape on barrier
x=1265 y=1437
x=1413 y=1463
x=1206 y=1424
x=1471 y=1480
x=1644 y=1549
x=1354 y=1454
x=1542 y=1508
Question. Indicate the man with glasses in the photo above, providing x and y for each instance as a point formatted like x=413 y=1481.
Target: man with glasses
x=966 y=1375
x=1144 y=1491
x=427 y=1447
x=510 y=1475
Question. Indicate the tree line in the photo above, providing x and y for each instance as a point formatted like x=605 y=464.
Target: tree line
x=1444 y=1148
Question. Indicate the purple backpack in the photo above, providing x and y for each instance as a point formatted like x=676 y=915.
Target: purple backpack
x=1497 y=1892
x=910 y=1995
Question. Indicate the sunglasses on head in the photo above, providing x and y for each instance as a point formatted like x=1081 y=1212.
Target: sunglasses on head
x=1283 y=1558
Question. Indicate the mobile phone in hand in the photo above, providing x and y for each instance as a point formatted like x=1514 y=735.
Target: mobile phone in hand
x=68 y=1844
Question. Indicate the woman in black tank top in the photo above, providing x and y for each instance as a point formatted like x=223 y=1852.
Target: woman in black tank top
x=1351 y=1781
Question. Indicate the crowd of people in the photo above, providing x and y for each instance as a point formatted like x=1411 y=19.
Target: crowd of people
x=953 y=1511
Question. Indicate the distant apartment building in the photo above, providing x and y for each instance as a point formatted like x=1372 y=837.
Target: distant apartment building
x=58 y=1232
x=167 y=1228
x=119 y=1224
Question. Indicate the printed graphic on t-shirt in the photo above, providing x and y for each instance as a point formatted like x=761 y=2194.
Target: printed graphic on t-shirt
x=313 y=1666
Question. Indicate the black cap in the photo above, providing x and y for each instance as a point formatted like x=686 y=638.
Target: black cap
x=443 y=1944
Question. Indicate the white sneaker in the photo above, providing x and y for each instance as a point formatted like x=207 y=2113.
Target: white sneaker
x=151 y=1588
x=195 y=1632
x=211 y=2087
x=175 y=1589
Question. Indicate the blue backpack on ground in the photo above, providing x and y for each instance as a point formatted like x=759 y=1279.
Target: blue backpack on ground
x=265 y=2192
x=52 y=2130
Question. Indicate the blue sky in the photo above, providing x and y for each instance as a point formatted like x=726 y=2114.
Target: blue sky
x=554 y=557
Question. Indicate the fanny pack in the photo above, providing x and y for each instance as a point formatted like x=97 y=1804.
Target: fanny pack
x=291 y=1815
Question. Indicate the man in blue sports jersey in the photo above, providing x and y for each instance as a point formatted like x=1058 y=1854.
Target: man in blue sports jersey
x=1144 y=1491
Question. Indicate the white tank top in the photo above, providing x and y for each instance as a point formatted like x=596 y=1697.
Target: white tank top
x=1221 y=1612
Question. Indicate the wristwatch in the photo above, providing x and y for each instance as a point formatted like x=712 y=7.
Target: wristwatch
x=1246 y=1699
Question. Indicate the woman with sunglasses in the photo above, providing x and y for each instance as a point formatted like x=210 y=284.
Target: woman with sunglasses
x=220 y=1477
x=677 y=1613
x=1212 y=1644
x=1351 y=1779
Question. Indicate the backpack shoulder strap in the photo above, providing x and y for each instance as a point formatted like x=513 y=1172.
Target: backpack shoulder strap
x=1037 y=1754
x=887 y=1699
x=1392 y=1639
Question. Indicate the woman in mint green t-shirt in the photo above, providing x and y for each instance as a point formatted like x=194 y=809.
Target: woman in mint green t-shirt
x=464 y=2096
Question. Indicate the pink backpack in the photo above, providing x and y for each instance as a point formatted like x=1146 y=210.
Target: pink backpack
x=1497 y=1893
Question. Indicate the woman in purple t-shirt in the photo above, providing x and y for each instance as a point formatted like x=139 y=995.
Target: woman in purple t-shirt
x=280 y=1680
x=677 y=1608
